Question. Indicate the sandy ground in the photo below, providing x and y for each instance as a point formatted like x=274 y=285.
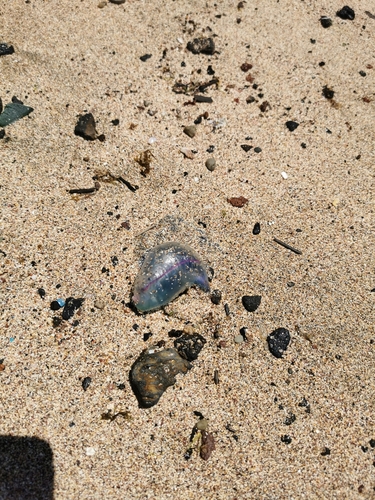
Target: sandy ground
x=72 y=57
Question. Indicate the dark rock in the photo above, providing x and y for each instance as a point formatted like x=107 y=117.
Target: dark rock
x=16 y=100
x=257 y=150
x=117 y=2
x=326 y=22
x=250 y=99
x=291 y=126
x=71 y=305
x=210 y=273
x=290 y=419
x=216 y=297
x=2 y=133
x=115 y=122
x=246 y=147
x=86 y=382
x=202 y=46
x=211 y=164
x=85 y=127
x=327 y=92
x=55 y=306
x=175 y=333
x=286 y=439
x=189 y=346
x=251 y=302
x=256 y=228
x=346 y=13
x=326 y=452
x=265 y=106
x=203 y=98
x=362 y=73
x=6 y=49
x=153 y=372
x=41 y=292
x=372 y=443
x=145 y=57
x=1 y=106
x=210 y=71
x=146 y=336
x=278 y=342
x=56 y=321
x=13 y=112
x=245 y=67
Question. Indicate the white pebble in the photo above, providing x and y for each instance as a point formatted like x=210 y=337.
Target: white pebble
x=180 y=40
x=284 y=175
x=152 y=140
x=90 y=452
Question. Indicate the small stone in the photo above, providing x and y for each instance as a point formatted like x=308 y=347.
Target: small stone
x=85 y=127
x=265 y=106
x=90 y=452
x=251 y=302
x=188 y=153
x=99 y=304
x=211 y=164
x=286 y=439
x=326 y=452
x=326 y=22
x=362 y=73
x=291 y=126
x=216 y=297
x=238 y=339
x=246 y=147
x=250 y=99
x=2 y=133
x=202 y=424
x=257 y=150
x=115 y=122
x=346 y=13
x=238 y=202
x=86 y=382
x=145 y=57
x=55 y=306
x=190 y=130
x=290 y=419
x=372 y=443
x=256 y=228
x=327 y=92
x=153 y=372
x=201 y=46
x=203 y=98
x=189 y=346
x=208 y=445
x=175 y=333
x=284 y=175
x=6 y=49
x=278 y=342
x=117 y=2
x=290 y=284
x=101 y=5
x=246 y=67
x=71 y=305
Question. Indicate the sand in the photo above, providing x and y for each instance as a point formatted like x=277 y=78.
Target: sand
x=72 y=57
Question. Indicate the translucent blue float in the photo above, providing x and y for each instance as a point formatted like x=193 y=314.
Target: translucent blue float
x=167 y=271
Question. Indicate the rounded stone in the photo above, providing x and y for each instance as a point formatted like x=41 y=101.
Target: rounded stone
x=251 y=303
x=238 y=339
x=190 y=130
x=211 y=164
x=278 y=342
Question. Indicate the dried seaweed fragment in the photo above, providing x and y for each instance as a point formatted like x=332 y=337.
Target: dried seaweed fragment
x=144 y=160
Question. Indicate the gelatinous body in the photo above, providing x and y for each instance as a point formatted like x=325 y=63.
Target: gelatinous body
x=167 y=271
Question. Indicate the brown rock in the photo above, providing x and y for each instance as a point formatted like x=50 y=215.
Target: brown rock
x=85 y=127
x=208 y=445
x=238 y=202
x=153 y=372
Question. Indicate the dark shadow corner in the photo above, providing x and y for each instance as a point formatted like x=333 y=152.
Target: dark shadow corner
x=26 y=469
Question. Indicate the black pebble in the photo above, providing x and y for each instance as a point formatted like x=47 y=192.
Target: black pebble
x=71 y=305
x=326 y=452
x=203 y=98
x=210 y=71
x=210 y=149
x=326 y=22
x=210 y=274
x=286 y=439
x=246 y=147
x=256 y=228
x=2 y=133
x=303 y=145
x=216 y=297
x=257 y=150
x=251 y=302
x=15 y=100
x=146 y=336
x=114 y=260
x=115 y=122
x=346 y=13
x=55 y=306
x=362 y=73
x=85 y=383
x=243 y=332
x=372 y=443
x=175 y=333
x=121 y=387
x=6 y=49
x=42 y=293
x=290 y=419
x=189 y=346
x=291 y=126
x=56 y=321
x=202 y=46
x=226 y=309
x=327 y=92
x=145 y=57
x=85 y=127
x=278 y=342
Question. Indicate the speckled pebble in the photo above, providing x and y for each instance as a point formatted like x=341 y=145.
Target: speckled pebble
x=278 y=342
x=211 y=164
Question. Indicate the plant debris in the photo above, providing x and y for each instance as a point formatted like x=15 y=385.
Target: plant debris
x=144 y=160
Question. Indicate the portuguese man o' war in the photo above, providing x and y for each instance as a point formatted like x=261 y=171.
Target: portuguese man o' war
x=168 y=270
